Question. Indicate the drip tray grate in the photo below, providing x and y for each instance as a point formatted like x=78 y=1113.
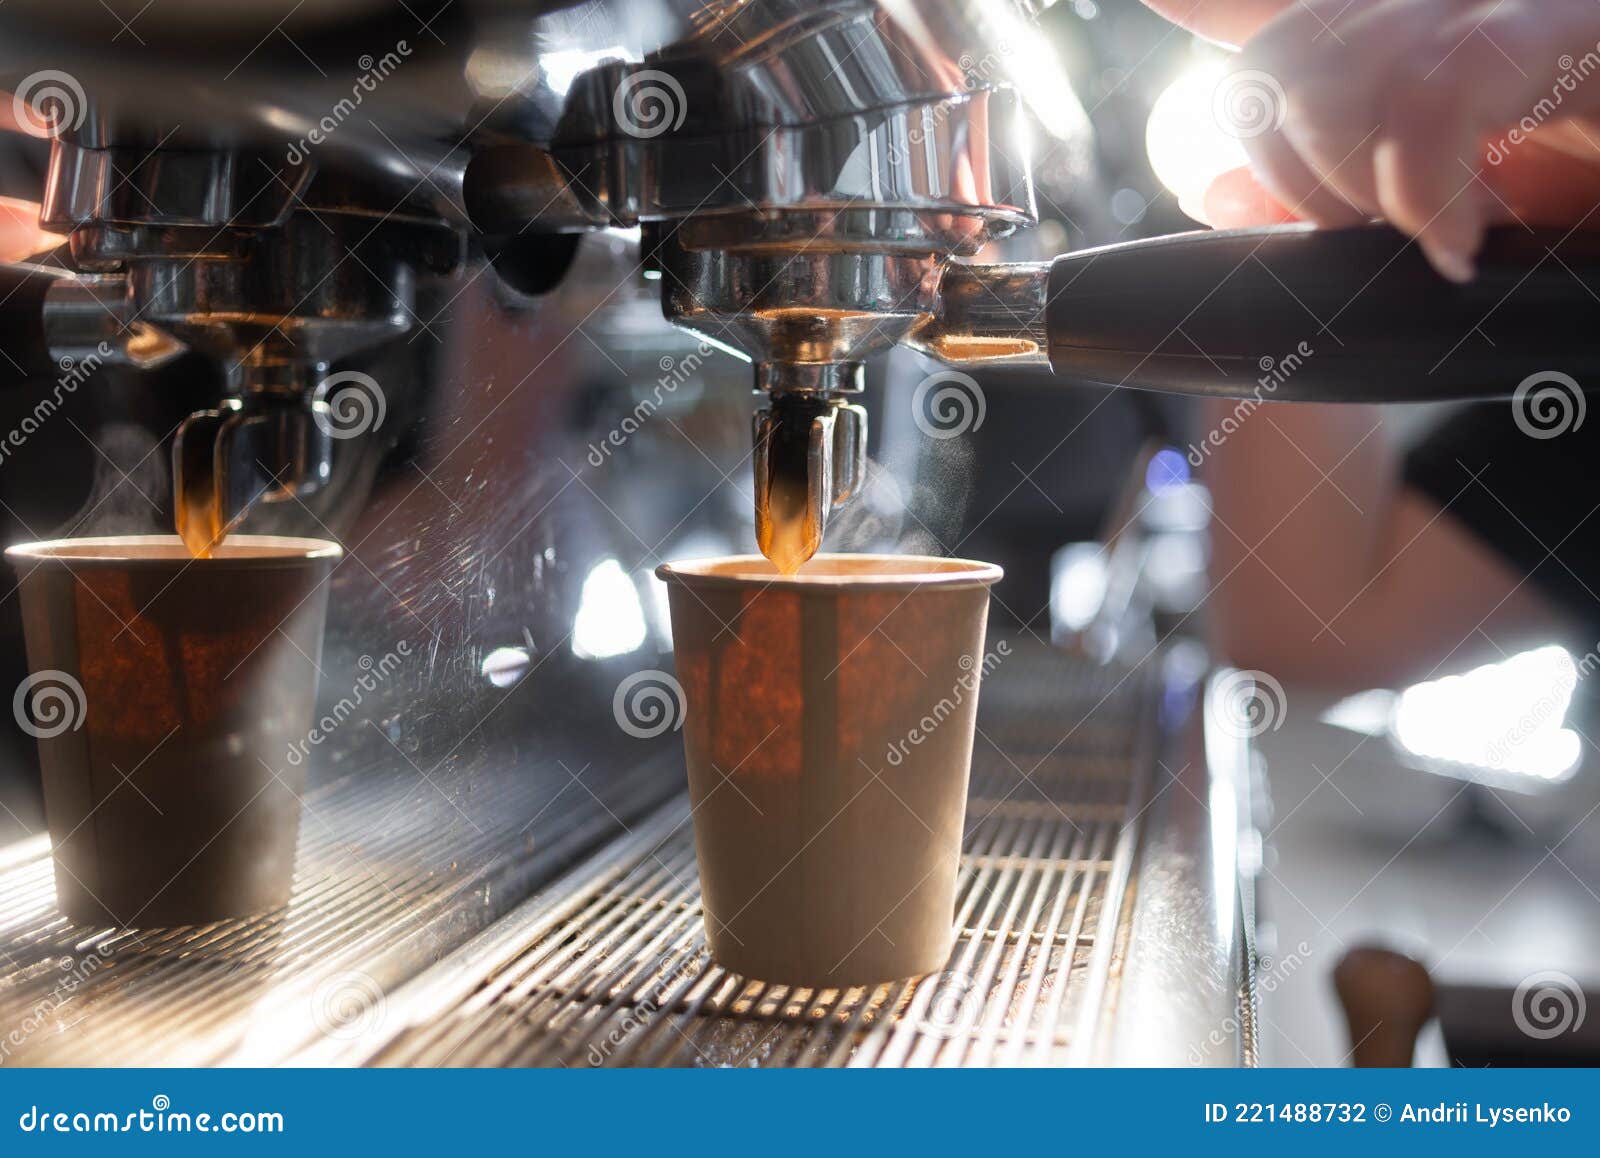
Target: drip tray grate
x=392 y=873
x=611 y=969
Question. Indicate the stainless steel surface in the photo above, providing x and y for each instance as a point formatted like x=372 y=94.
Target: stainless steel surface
x=392 y=872
x=1072 y=947
x=766 y=119
x=988 y=315
x=948 y=174
x=1185 y=981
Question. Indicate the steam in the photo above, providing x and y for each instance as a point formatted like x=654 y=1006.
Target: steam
x=910 y=506
x=130 y=492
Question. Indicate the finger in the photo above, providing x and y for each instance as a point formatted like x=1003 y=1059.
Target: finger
x=1236 y=200
x=30 y=122
x=1543 y=182
x=1335 y=58
x=1479 y=72
x=1420 y=195
x=1270 y=64
x=20 y=235
x=1306 y=193
x=1230 y=22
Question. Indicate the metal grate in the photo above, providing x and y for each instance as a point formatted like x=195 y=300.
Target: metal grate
x=392 y=874
x=612 y=968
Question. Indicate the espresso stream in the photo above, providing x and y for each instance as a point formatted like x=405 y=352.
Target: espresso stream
x=783 y=531
x=199 y=526
x=199 y=516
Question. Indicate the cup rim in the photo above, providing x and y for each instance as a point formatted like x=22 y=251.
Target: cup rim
x=114 y=552
x=919 y=571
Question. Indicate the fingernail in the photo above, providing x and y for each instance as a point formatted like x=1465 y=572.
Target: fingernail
x=1453 y=264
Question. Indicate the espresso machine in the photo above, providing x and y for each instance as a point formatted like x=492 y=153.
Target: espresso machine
x=807 y=180
x=808 y=183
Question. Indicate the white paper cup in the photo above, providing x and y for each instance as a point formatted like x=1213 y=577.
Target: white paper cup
x=165 y=692
x=828 y=737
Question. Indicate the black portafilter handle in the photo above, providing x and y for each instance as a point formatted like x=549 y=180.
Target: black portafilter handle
x=1295 y=313
x=24 y=348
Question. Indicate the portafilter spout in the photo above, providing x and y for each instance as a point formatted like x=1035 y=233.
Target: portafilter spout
x=809 y=455
x=806 y=314
x=270 y=441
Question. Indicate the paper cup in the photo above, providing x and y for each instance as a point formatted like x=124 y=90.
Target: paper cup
x=165 y=693
x=828 y=734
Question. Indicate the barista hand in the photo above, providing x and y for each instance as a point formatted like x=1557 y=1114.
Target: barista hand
x=20 y=235
x=1337 y=572
x=1442 y=116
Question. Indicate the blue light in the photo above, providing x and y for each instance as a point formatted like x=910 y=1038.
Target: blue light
x=1167 y=468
